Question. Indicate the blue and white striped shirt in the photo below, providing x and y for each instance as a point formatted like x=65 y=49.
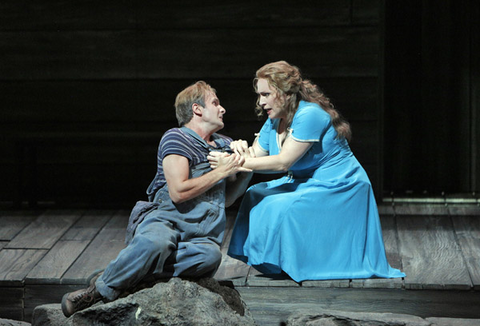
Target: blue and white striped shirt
x=175 y=141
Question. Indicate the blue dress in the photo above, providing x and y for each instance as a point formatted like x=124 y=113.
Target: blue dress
x=318 y=222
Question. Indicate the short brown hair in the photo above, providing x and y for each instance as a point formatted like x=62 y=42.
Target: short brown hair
x=194 y=93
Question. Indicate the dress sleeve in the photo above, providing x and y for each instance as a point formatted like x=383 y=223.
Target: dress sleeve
x=264 y=137
x=310 y=123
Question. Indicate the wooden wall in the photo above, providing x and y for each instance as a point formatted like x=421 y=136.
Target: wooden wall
x=90 y=85
x=432 y=96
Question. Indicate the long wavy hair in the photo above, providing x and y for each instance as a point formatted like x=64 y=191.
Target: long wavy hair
x=287 y=79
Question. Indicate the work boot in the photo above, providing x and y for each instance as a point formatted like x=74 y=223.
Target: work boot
x=79 y=300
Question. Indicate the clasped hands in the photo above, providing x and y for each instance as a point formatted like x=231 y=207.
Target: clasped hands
x=232 y=162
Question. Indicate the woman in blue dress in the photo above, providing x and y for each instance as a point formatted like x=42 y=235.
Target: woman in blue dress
x=320 y=221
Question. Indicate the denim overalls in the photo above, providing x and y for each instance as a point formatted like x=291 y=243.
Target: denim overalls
x=173 y=239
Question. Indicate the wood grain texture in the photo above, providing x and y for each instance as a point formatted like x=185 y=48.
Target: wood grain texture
x=255 y=278
x=390 y=240
x=11 y=223
x=430 y=254
x=56 y=262
x=327 y=284
x=45 y=230
x=17 y=263
x=467 y=230
x=103 y=248
x=415 y=209
x=464 y=210
x=270 y=305
x=88 y=226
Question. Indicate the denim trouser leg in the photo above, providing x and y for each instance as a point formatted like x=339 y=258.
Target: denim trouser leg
x=197 y=258
x=153 y=242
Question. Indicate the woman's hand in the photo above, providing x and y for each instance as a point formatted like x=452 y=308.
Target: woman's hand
x=230 y=163
x=241 y=148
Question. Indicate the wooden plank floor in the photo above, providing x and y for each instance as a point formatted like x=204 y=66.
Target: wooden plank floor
x=45 y=253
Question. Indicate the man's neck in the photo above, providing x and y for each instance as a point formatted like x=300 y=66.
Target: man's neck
x=206 y=135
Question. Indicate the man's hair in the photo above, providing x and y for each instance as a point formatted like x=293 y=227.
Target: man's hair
x=194 y=93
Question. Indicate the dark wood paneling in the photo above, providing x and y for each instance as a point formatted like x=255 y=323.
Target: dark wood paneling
x=244 y=14
x=366 y=12
x=67 y=15
x=11 y=303
x=51 y=55
x=121 y=105
x=475 y=96
x=226 y=53
x=78 y=69
x=129 y=14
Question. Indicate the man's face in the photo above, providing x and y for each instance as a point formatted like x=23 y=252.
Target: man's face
x=213 y=112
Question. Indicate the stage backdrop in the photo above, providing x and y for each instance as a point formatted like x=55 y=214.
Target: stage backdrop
x=87 y=87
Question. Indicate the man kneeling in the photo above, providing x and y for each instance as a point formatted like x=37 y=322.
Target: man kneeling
x=180 y=230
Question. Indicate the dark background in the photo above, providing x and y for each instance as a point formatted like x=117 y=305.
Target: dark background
x=87 y=87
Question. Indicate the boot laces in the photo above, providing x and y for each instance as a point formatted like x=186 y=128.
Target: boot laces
x=87 y=296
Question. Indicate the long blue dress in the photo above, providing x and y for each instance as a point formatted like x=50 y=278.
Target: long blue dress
x=318 y=222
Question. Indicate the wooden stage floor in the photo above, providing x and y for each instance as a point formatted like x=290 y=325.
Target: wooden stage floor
x=45 y=253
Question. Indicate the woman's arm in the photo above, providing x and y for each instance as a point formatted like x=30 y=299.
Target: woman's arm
x=290 y=153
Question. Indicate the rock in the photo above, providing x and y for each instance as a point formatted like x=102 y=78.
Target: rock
x=453 y=321
x=10 y=322
x=322 y=317
x=49 y=315
x=176 y=302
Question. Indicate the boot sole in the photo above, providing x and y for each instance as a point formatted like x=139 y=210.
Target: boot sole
x=64 y=305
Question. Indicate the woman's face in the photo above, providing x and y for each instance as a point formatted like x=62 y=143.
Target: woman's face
x=269 y=100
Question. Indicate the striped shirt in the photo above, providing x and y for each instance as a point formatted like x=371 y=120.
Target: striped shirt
x=175 y=141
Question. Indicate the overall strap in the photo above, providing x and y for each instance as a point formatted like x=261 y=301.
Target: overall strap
x=219 y=140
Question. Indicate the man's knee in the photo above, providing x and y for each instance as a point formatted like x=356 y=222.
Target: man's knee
x=212 y=254
x=154 y=244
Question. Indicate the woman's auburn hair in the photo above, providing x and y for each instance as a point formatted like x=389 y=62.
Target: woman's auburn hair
x=287 y=79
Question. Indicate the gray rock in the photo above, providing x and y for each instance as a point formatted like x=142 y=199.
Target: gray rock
x=10 y=322
x=176 y=302
x=321 y=317
x=454 y=321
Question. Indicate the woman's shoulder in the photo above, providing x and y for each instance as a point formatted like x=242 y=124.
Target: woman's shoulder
x=312 y=110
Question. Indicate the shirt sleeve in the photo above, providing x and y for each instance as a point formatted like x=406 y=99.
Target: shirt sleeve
x=174 y=142
x=264 y=136
x=310 y=123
